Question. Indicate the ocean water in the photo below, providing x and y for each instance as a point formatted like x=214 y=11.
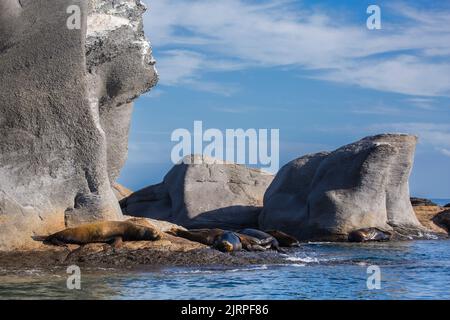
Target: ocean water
x=408 y=270
x=441 y=202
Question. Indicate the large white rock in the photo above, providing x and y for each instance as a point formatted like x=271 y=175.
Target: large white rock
x=201 y=193
x=325 y=196
x=65 y=105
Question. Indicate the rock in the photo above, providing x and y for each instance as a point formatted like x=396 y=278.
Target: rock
x=163 y=226
x=325 y=196
x=120 y=191
x=443 y=220
x=202 y=193
x=425 y=215
x=65 y=109
x=447 y=205
x=422 y=202
x=120 y=68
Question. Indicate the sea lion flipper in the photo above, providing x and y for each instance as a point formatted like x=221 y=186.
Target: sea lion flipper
x=55 y=242
x=117 y=242
x=278 y=249
x=254 y=247
x=39 y=238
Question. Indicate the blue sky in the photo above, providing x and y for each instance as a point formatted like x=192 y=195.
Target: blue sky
x=309 y=68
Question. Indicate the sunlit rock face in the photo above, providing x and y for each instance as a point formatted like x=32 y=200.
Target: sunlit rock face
x=120 y=68
x=203 y=192
x=326 y=195
x=65 y=105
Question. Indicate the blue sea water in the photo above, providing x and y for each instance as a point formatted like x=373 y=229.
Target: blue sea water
x=441 y=202
x=409 y=270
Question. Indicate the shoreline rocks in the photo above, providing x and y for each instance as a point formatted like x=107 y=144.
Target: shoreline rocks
x=415 y=202
x=426 y=215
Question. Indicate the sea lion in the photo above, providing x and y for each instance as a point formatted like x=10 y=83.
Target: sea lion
x=227 y=242
x=284 y=239
x=369 y=234
x=113 y=232
x=266 y=241
x=220 y=239
x=203 y=236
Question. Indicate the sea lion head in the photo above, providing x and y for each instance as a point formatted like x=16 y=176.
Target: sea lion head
x=147 y=234
x=227 y=242
x=224 y=246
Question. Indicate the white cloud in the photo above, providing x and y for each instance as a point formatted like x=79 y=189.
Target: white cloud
x=377 y=110
x=154 y=93
x=422 y=103
x=434 y=135
x=403 y=74
x=445 y=152
x=236 y=34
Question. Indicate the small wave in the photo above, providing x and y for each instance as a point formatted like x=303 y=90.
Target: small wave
x=210 y=271
x=305 y=259
x=296 y=265
x=319 y=242
x=261 y=267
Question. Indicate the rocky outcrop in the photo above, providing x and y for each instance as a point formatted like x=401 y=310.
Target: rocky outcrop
x=202 y=193
x=120 y=191
x=422 y=202
x=65 y=105
x=426 y=215
x=120 y=68
x=442 y=219
x=325 y=196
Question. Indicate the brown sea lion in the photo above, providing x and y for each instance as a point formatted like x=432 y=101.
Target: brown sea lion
x=266 y=240
x=250 y=243
x=203 y=236
x=222 y=240
x=284 y=239
x=369 y=234
x=113 y=232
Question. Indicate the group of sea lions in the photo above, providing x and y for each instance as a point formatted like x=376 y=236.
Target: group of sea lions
x=245 y=239
x=114 y=232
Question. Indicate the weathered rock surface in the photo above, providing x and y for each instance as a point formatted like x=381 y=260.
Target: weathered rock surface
x=120 y=68
x=64 y=111
x=426 y=214
x=201 y=193
x=422 y=202
x=120 y=191
x=163 y=226
x=325 y=196
x=442 y=219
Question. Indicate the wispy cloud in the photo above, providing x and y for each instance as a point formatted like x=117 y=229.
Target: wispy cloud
x=432 y=136
x=379 y=109
x=200 y=36
x=445 y=152
x=155 y=93
x=422 y=103
x=436 y=135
